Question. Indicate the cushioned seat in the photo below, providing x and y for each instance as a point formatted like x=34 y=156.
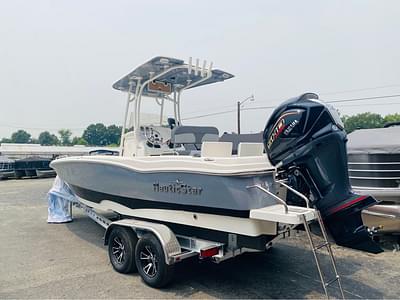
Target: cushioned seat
x=250 y=149
x=192 y=137
x=216 y=149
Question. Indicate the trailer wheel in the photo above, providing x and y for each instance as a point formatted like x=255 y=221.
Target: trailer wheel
x=121 y=249
x=150 y=262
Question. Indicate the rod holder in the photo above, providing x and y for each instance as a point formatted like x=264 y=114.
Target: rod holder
x=190 y=65
x=203 y=69
x=196 y=70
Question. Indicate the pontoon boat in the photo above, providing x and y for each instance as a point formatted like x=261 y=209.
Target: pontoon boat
x=7 y=167
x=374 y=169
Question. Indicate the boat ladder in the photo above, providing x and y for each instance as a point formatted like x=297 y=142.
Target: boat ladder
x=295 y=215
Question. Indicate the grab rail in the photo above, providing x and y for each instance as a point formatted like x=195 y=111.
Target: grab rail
x=295 y=192
x=271 y=194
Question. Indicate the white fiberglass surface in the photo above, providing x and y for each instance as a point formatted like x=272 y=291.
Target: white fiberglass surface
x=225 y=165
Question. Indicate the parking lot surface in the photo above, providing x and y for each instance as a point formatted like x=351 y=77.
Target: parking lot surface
x=40 y=260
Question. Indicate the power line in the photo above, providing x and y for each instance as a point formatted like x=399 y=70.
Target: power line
x=207 y=109
x=326 y=93
x=209 y=115
x=244 y=109
x=371 y=104
x=361 y=89
x=362 y=99
x=271 y=107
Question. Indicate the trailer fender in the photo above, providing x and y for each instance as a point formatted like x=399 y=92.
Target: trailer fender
x=166 y=237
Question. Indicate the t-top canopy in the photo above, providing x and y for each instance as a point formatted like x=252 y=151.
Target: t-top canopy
x=176 y=75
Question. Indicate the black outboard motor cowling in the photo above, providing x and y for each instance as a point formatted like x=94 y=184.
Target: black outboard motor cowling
x=305 y=139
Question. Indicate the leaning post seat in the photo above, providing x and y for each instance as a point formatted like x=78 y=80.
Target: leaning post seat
x=236 y=139
x=192 y=137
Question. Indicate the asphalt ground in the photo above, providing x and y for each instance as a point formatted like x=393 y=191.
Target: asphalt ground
x=40 y=260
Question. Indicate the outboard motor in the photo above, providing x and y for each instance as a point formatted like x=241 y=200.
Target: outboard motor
x=305 y=139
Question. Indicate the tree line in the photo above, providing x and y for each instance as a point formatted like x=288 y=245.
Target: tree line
x=100 y=135
x=94 y=135
x=368 y=120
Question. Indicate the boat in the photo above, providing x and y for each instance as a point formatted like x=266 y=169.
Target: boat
x=33 y=167
x=374 y=169
x=6 y=167
x=184 y=177
x=103 y=152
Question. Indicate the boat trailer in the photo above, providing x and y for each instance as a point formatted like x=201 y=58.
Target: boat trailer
x=175 y=248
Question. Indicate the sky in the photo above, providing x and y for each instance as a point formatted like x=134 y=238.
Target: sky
x=58 y=59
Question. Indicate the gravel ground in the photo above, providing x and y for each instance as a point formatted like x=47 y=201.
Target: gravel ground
x=40 y=260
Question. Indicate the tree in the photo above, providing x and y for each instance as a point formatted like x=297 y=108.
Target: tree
x=96 y=134
x=47 y=139
x=65 y=135
x=79 y=141
x=5 y=140
x=362 y=121
x=21 y=136
x=113 y=134
x=392 y=118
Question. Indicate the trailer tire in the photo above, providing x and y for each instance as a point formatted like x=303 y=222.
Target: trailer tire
x=121 y=249
x=150 y=262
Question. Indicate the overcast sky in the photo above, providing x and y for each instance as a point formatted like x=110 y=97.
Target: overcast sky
x=58 y=59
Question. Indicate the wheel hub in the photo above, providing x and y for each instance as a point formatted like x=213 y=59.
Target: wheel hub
x=149 y=262
x=118 y=250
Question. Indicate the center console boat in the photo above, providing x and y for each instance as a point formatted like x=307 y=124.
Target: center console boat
x=186 y=179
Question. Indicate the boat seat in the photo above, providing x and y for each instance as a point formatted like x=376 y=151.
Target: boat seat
x=192 y=137
x=250 y=149
x=183 y=138
x=236 y=139
x=216 y=149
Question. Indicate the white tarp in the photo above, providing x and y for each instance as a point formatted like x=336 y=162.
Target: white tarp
x=59 y=198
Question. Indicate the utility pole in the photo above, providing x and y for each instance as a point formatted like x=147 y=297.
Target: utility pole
x=239 y=104
x=238 y=117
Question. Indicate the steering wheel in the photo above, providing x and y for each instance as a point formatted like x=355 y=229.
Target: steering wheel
x=153 y=137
